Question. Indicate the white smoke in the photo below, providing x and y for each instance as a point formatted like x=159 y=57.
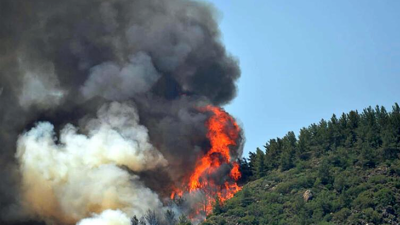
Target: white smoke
x=108 y=217
x=70 y=178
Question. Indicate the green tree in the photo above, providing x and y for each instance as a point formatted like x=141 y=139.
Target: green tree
x=245 y=198
x=273 y=150
x=353 y=119
x=334 y=132
x=259 y=165
x=288 y=151
x=368 y=156
x=324 y=172
x=303 y=145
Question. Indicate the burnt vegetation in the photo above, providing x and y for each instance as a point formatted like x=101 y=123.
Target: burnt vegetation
x=342 y=171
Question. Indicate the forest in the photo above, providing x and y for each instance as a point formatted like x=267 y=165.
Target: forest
x=345 y=170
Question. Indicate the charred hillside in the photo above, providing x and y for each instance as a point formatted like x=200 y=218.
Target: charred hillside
x=342 y=171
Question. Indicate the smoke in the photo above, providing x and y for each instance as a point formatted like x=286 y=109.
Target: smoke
x=108 y=217
x=82 y=174
x=114 y=82
x=98 y=104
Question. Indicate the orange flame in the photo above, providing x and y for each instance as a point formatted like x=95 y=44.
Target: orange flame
x=223 y=132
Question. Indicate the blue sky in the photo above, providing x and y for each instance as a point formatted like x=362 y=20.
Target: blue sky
x=302 y=61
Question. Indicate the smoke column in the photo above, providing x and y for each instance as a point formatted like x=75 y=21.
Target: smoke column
x=99 y=102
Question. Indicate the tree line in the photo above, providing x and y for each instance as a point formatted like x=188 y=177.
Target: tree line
x=373 y=135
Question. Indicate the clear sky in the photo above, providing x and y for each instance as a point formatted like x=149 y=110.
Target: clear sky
x=302 y=61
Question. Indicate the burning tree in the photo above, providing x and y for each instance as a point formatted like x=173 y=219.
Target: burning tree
x=223 y=133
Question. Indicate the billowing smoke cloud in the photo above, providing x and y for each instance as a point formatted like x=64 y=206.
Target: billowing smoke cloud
x=82 y=174
x=98 y=104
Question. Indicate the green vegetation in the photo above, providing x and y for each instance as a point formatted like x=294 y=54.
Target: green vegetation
x=342 y=171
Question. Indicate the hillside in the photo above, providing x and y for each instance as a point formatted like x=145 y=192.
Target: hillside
x=342 y=171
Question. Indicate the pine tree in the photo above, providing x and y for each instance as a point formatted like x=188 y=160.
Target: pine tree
x=259 y=166
x=245 y=170
x=273 y=150
x=289 y=151
x=322 y=136
x=324 y=173
x=352 y=124
x=303 y=144
x=183 y=220
x=170 y=217
x=134 y=221
x=245 y=199
x=395 y=122
x=151 y=218
x=368 y=156
x=334 y=132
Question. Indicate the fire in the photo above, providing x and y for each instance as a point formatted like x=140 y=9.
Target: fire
x=223 y=133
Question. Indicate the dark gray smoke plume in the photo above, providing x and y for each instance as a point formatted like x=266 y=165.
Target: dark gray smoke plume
x=82 y=65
